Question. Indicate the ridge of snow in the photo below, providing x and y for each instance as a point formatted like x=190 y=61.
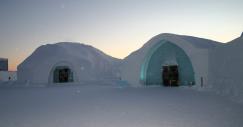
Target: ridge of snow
x=194 y=41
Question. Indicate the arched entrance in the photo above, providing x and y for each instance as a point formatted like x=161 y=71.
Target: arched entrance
x=62 y=74
x=167 y=64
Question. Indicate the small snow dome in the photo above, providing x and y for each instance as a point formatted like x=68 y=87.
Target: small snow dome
x=67 y=62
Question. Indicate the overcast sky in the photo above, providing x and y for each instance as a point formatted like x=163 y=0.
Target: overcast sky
x=116 y=27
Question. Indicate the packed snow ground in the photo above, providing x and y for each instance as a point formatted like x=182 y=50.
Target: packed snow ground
x=111 y=106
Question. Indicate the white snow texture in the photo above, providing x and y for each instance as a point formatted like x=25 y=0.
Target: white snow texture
x=86 y=62
x=219 y=64
x=97 y=106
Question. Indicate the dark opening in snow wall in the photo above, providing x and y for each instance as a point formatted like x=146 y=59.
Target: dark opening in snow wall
x=84 y=63
x=143 y=67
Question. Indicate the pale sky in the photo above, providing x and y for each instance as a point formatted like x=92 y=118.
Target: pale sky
x=117 y=27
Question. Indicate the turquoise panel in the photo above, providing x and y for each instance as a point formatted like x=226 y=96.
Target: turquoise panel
x=166 y=53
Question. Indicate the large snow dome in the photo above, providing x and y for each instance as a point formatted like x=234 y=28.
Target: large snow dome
x=67 y=62
x=169 y=59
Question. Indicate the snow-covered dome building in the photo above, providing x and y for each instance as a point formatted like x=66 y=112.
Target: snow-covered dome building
x=169 y=59
x=67 y=62
x=166 y=59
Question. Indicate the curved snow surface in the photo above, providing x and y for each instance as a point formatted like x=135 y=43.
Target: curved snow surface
x=219 y=63
x=85 y=106
x=197 y=42
x=196 y=49
x=86 y=62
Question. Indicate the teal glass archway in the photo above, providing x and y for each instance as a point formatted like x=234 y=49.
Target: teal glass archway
x=165 y=53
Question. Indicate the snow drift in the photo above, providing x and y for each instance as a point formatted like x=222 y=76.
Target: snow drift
x=85 y=62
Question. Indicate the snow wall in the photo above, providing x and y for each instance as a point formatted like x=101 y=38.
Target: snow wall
x=226 y=71
x=85 y=62
x=189 y=50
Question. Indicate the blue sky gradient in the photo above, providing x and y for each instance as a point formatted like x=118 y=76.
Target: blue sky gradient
x=117 y=27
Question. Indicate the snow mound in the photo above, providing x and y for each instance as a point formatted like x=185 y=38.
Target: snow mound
x=86 y=62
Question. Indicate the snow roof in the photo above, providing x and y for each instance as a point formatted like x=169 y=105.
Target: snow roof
x=200 y=42
x=237 y=40
x=74 y=49
x=194 y=41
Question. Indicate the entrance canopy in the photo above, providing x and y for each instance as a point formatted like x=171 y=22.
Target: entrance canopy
x=164 y=54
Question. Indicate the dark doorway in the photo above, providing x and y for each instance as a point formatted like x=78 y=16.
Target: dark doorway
x=62 y=75
x=170 y=75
